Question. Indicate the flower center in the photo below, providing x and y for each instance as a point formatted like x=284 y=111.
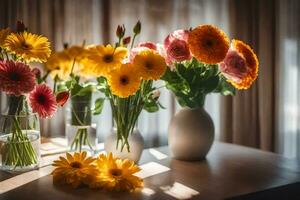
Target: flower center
x=124 y=80
x=41 y=99
x=148 y=65
x=14 y=76
x=76 y=164
x=115 y=172
x=108 y=58
x=209 y=43
x=26 y=46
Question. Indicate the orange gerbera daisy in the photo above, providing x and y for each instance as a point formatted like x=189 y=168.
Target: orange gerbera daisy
x=208 y=44
x=251 y=63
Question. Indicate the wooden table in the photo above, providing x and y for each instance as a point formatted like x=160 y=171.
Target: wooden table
x=229 y=172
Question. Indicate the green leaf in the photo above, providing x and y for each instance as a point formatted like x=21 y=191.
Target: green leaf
x=99 y=103
x=151 y=106
x=224 y=87
x=86 y=90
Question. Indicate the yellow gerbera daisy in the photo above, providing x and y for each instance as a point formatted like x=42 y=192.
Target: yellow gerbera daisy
x=149 y=64
x=116 y=174
x=106 y=58
x=59 y=64
x=76 y=52
x=3 y=34
x=124 y=81
x=74 y=170
x=208 y=44
x=27 y=46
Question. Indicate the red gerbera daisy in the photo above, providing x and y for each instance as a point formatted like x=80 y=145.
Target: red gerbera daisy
x=16 y=78
x=43 y=101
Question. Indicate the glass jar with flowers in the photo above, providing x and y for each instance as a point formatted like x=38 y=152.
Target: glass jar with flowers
x=72 y=74
x=127 y=81
x=27 y=95
x=202 y=61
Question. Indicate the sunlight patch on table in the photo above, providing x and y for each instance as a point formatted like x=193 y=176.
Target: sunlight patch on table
x=151 y=169
x=147 y=191
x=179 y=191
x=157 y=154
x=22 y=179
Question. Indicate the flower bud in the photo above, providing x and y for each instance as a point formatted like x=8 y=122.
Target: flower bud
x=21 y=27
x=126 y=40
x=62 y=98
x=156 y=94
x=37 y=72
x=137 y=28
x=120 y=31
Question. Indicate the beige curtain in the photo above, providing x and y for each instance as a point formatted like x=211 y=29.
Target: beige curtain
x=248 y=118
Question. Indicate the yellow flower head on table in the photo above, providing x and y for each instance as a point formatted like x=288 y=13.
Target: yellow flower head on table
x=74 y=170
x=28 y=47
x=149 y=64
x=106 y=58
x=124 y=81
x=3 y=34
x=116 y=174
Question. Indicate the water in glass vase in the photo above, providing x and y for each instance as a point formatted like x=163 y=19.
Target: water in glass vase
x=82 y=138
x=20 y=156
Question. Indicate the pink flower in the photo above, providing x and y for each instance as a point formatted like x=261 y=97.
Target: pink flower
x=234 y=66
x=141 y=47
x=176 y=47
x=43 y=101
x=16 y=78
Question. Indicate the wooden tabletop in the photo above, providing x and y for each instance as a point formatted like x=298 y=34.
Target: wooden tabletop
x=229 y=172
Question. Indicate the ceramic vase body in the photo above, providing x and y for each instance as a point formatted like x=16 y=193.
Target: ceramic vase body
x=191 y=134
x=136 y=143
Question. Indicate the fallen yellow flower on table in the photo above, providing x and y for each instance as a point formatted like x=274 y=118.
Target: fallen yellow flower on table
x=116 y=174
x=74 y=170
x=106 y=172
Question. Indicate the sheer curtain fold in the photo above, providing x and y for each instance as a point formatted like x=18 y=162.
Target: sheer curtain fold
x=248 y=117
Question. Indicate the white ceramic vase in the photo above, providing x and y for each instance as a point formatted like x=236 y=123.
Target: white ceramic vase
x=136 y=143
x=191 y=134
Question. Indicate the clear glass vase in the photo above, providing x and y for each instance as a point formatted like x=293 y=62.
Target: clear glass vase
x=81 y=133
x=19 y=142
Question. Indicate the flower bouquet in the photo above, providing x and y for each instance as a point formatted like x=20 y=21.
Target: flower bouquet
x=126 y=78
x=202 y=61
x=73 y=77
x=19 y=126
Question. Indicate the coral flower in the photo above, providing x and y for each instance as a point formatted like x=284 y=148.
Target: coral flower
x=3 y=34
x=16 y=78
x=150 y=64
x=43 y=101
x=116 y=174
x=74 y=170
x=124 y=81
x=208 y=44
x=106 y=58
x=28 y=47
x=246 y=76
